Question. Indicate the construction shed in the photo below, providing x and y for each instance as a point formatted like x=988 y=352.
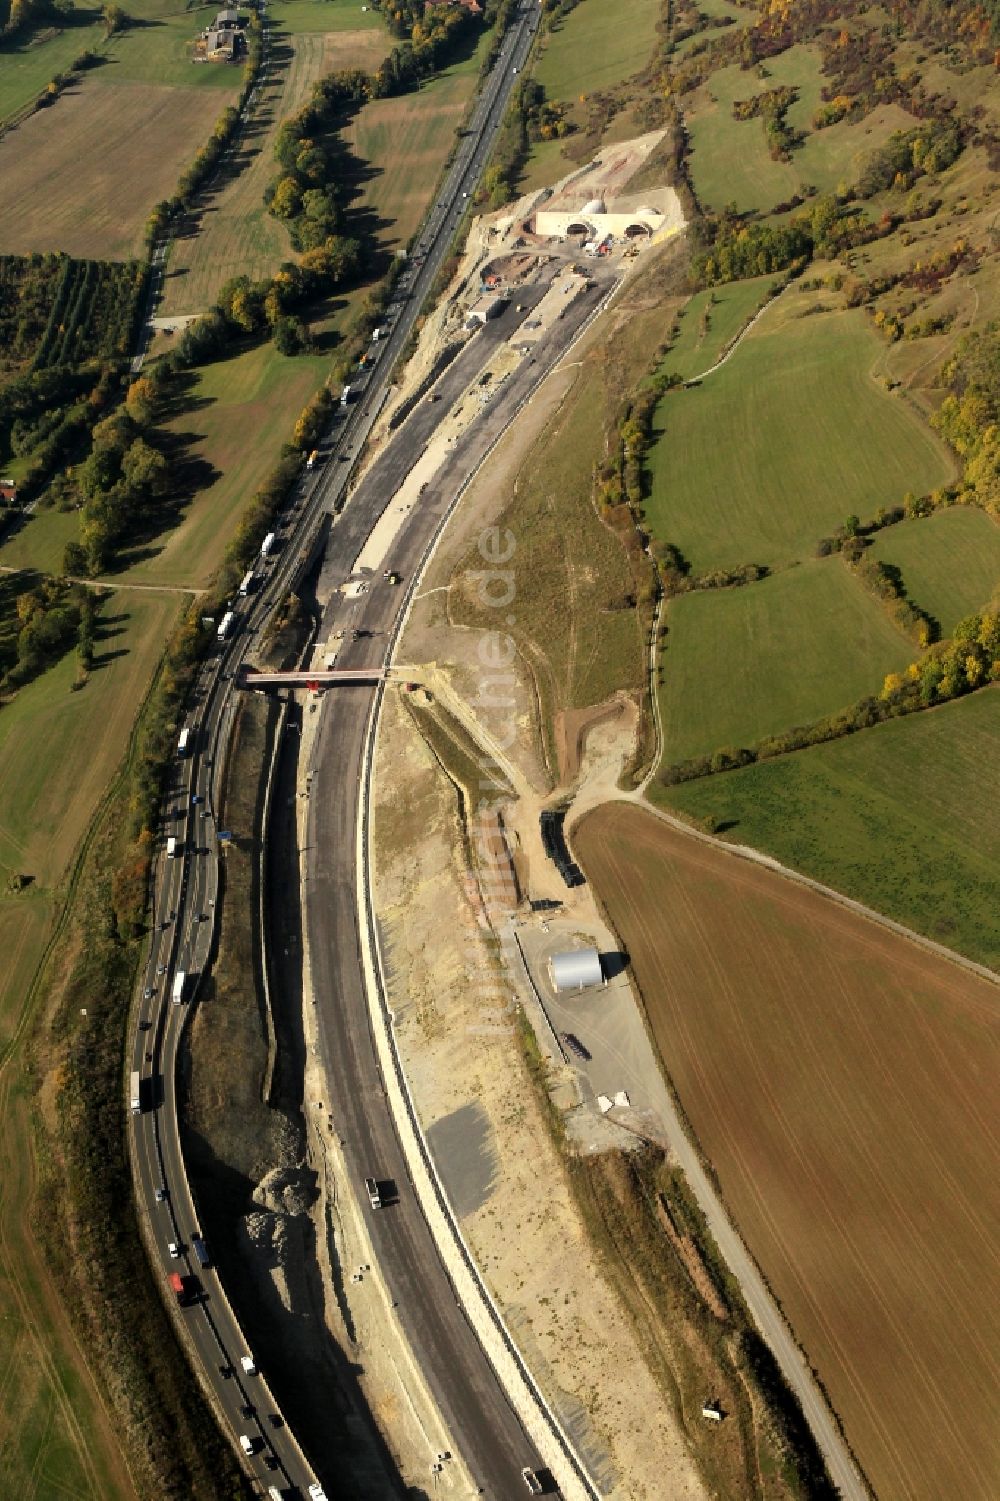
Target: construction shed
x=577 y=970
x=489 y=306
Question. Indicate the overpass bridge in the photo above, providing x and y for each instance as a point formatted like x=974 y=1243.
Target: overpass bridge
x=317 y=679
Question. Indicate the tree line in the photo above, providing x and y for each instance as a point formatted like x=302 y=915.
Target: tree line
x=123 y=475
x=224 y=132
x=969 y=416
x=50 y=617
x=772 y=107
x=969 y=660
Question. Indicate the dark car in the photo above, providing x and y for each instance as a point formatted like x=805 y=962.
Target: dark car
x=276 y=1420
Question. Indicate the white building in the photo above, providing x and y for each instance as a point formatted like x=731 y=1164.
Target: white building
x=577 y=970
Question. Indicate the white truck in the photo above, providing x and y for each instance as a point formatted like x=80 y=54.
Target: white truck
x=267 y=545
x=226 y=625
x=135 y=1093
x=183 y=741
x=246 y=583
x=171 y=847
x=345 y=396
x=249 y=1364
x=180 y=980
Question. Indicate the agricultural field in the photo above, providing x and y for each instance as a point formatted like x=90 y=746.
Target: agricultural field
x=25 y=70
x=764 y=459
x=239 y=413
x=596 y=47
x=403 y=144
x=840 y=1080
x=48 y=791
x=25 y=922
x=300 y=17
x=55 y=1438
x=38 y=544
x=234 y=234
x=950 y=562
x=84 y=175
x=748 y=662
x=710 y=320
x=904 y=816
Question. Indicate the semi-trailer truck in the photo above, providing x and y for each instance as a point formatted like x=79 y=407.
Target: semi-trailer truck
x=180 y=980
x=183 y=741
x=311 y=460
x=225 y=625
x=135 y=1092
x=171 y=846
x=345 y=396
x=267 y=544
x=246 y=583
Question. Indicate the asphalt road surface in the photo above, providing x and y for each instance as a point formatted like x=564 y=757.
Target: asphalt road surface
x=483 y=1426
x=186 y=885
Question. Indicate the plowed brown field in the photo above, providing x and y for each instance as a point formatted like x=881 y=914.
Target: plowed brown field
x=84 y=175
x=843 y=1083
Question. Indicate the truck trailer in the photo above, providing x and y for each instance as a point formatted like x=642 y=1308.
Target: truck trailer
x=246 y=583
x=183 y=741
x=171 y=846
x=180 y=980
x=135 y=1092
x=226 y=625
x=267 y=545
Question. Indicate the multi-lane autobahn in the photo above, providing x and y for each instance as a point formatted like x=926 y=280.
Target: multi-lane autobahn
x=186 y=884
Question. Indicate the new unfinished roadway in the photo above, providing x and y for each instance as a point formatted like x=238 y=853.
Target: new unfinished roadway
x=497 y=1420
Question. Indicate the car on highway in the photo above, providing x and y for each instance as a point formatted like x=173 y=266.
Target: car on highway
x=173 y=1249
x=270 y=1462
x=148 y=993
x=226 y=1371
x=249 y=1443
x=249 y=1364
x=161 y=1194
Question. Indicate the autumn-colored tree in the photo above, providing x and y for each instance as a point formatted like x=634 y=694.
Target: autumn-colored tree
x=115 y=19
x=140 y=401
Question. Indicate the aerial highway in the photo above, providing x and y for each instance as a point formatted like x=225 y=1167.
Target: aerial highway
x=187 y=882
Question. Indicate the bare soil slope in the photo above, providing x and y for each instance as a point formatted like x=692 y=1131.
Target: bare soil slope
x=841 y=1080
